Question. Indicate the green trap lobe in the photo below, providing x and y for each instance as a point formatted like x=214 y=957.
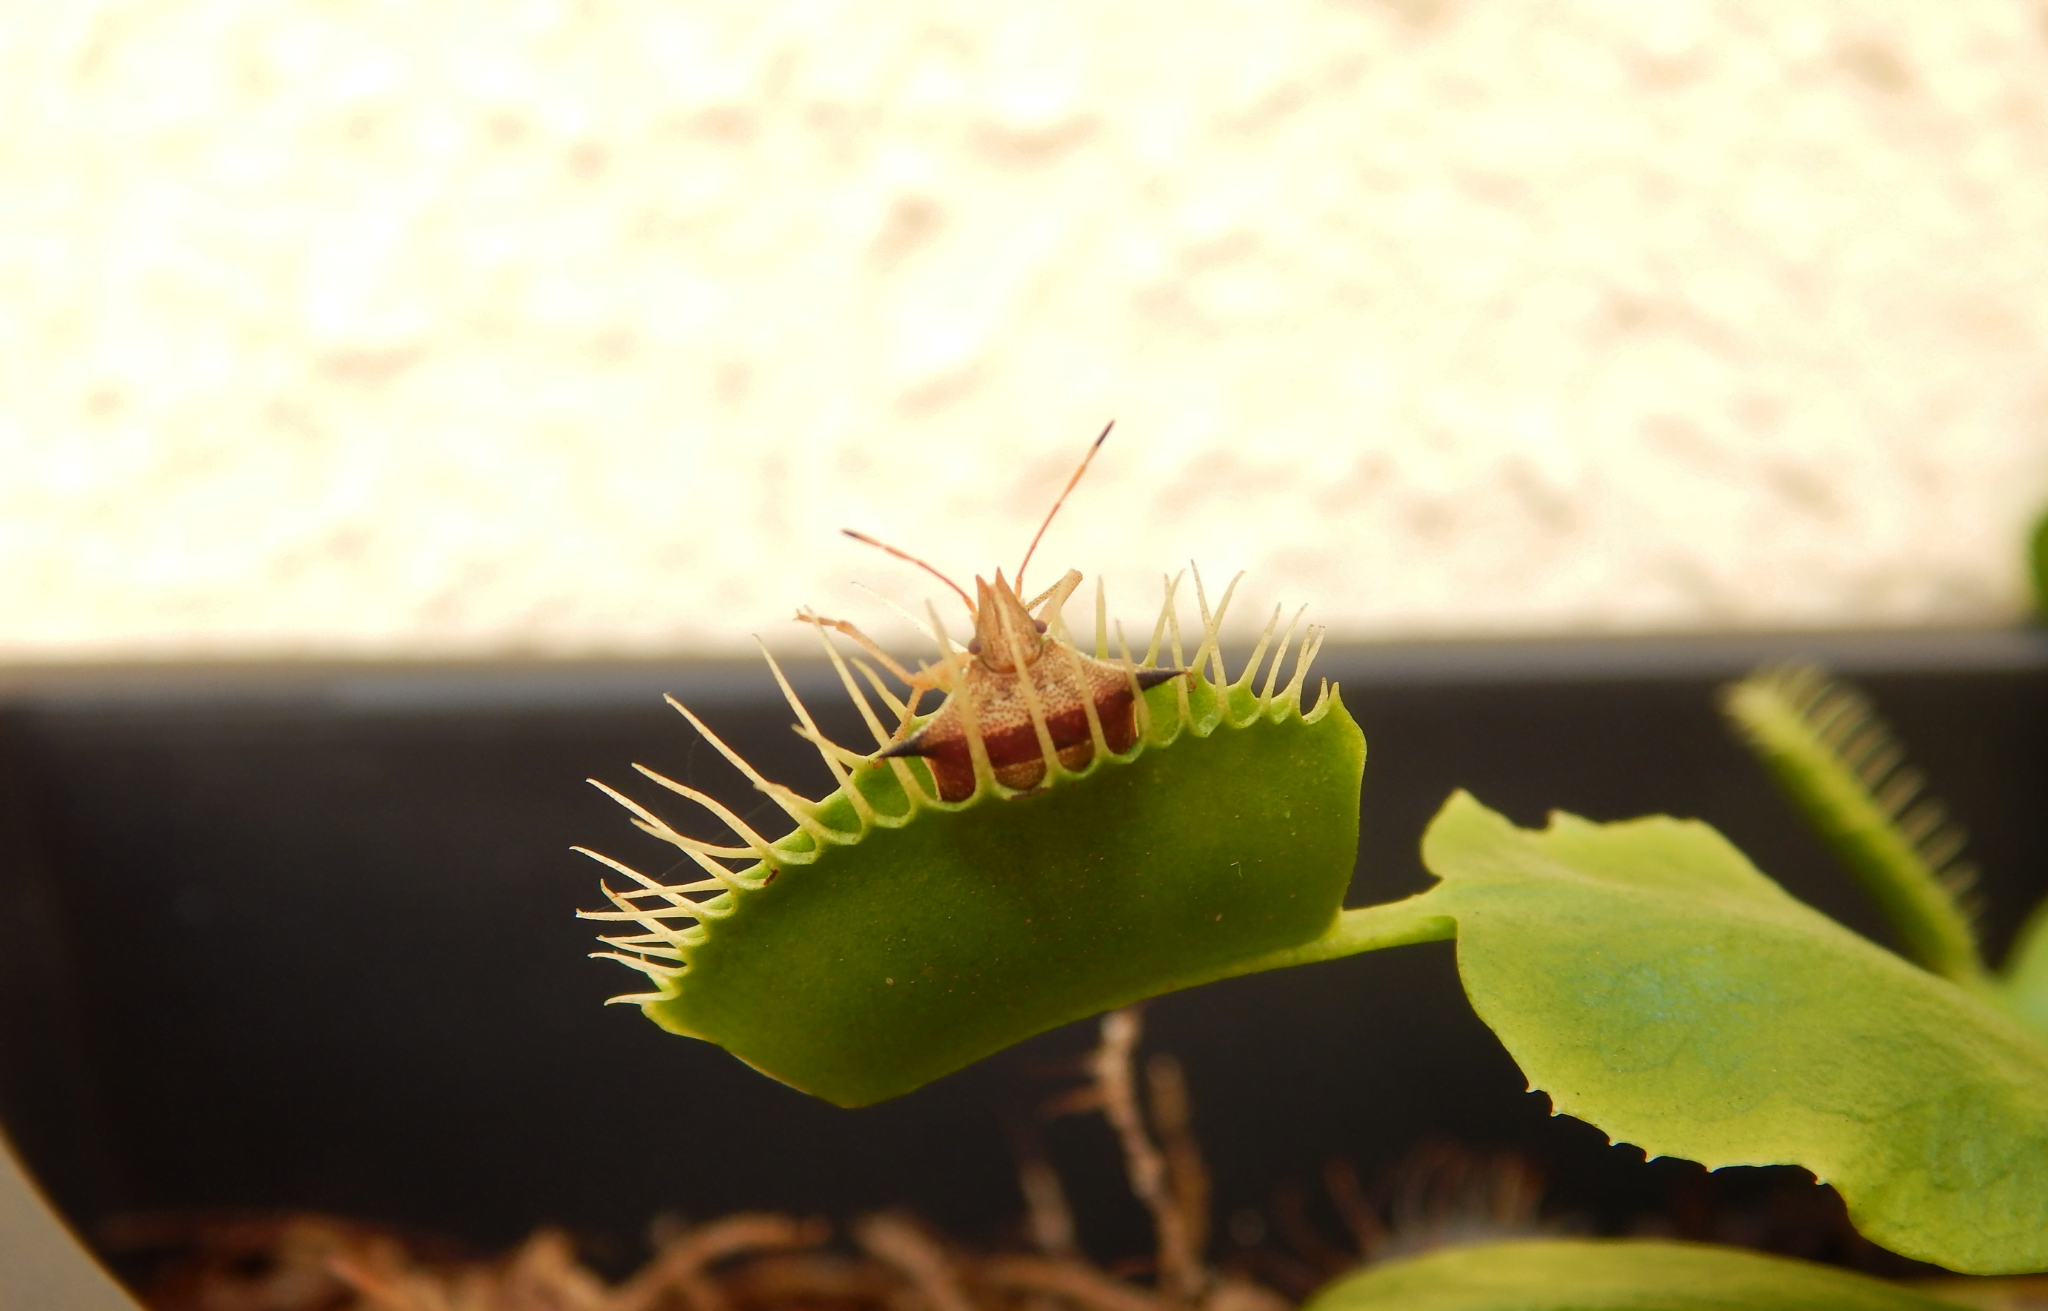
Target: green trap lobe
x=937 y=939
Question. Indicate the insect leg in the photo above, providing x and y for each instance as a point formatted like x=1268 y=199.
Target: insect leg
x=867 y=644
x=1055 y=596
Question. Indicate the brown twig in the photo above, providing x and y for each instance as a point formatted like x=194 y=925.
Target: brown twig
x=1173 y=1121
x=1290 y=1220
x=385 y=1283
x=682 y=1263
x=1182 y=1277
x=898 y=1241
x=1047 y=1215
x=810 y=1279
x=1083 y=1285
x=1354 y=1208
x=544 y=1272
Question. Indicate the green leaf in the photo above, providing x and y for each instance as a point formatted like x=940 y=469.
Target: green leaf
x=1650 y=980
x=1578 y=1275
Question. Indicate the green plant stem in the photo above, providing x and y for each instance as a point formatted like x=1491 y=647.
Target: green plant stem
x=1368 y=928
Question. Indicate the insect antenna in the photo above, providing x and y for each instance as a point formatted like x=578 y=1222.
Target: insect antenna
x=1100 y=438
x=905 y=555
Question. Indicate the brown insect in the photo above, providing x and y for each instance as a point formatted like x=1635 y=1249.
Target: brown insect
x=1020 y=693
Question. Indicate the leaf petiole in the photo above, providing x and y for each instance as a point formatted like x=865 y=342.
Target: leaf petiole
x=1367 y=928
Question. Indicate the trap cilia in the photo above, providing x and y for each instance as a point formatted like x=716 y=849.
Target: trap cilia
x=1066 y=832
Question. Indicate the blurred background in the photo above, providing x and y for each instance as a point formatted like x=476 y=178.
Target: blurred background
x=384 y=331
x=346 y=329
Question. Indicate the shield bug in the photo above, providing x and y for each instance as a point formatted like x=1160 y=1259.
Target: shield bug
x=1020 y=696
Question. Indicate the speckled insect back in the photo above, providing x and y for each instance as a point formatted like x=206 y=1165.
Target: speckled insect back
x=1030 y=696
x=1065 y=834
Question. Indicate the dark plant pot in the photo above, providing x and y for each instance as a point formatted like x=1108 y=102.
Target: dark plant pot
x=302 y=938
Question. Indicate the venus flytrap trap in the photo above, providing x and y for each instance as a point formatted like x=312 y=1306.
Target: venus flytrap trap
x=1840 y=764
x=895 y=935
x=1063 y=835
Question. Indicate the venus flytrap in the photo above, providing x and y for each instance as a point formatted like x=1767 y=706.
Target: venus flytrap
x=1068 y=833
x=1839 y=763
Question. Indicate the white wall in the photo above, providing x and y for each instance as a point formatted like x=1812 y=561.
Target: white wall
x=469 y=328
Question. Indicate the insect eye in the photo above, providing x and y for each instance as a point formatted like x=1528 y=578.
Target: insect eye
x=973 y=646
x=1039 y=624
